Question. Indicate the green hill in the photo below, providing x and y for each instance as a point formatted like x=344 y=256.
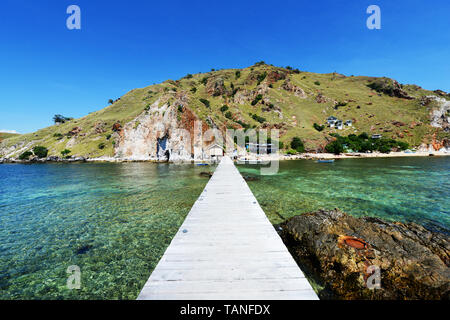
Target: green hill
x=260 y=96
x=6 y=135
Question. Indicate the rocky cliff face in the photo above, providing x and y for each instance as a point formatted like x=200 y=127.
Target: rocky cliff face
x=440 y=117
x=163 y=132
x=341 y=252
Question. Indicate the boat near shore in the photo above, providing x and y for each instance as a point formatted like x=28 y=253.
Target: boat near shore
x=325 y=161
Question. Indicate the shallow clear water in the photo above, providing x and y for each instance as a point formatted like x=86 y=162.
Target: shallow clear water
x=114 y=221
x=402 y=189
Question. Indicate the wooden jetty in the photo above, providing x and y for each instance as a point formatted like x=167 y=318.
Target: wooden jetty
x=227 y=249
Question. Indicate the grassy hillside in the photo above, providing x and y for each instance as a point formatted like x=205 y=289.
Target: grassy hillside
x=5 y=135
x=290 y=100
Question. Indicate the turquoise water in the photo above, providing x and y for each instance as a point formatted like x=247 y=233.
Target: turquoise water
x=402 y=189
x=114 y=221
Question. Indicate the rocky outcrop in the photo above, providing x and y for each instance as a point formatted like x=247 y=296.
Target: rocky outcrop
x=43 y=160
x=343 y=253
x=215 y=86
x=390 y=87
x=442 y=93
x=99 y=127
x=75 y=131
x=242 y=96
x=320 y=98
x=161 y=133
x=289 y=86
x=440 y=116
x=274 y=76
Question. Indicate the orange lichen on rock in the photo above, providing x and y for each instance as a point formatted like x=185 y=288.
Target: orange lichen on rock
x=352 y=242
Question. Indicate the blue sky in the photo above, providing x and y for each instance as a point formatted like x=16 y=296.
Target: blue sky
x=46 y=69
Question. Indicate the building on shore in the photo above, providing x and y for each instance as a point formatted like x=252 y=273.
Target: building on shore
x=213 y=152
x=259 y=148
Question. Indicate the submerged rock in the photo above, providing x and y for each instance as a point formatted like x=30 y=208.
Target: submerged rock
x=250 y=178
x=206 y=174
x=84 y=249
x=341 y=253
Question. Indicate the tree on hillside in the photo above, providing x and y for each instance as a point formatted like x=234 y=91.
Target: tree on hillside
x=335 y=147
x=26 y=155
x=40 y=152
x=65 y=152
x=318 y=127
x=110 y=101
x=297 y=145
x=57 y=118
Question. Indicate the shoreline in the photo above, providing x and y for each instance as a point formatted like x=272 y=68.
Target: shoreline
x=249 y=158
x=315 y=156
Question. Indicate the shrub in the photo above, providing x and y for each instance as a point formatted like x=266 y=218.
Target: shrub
x=26 y=155
x=65 y=152
x=318 y=127
x=188 y=76
x=101 y=146
x=261 y=77
x=58 y=136
x=383 y=85
x=194 y=90
x=110 y=101
x=40 y=152
x=204 y=80
x=258 y=118
x=384 y=148
x=335 y=147
x=228 y=115
x=297 y=145
x=205 y=102
x=57 y=118
x=147 y=107
x=403 y=145
x=224 y=108
x=108 y=136
x=243 y=124
x=237 y=74
x=257 y=99
x=363 y=136
x=317 y=83
x=180 y=108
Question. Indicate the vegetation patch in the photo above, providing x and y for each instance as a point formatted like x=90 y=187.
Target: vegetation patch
x=364 y=143
x=205 y=102
x=40 y=152
x=297 y=145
